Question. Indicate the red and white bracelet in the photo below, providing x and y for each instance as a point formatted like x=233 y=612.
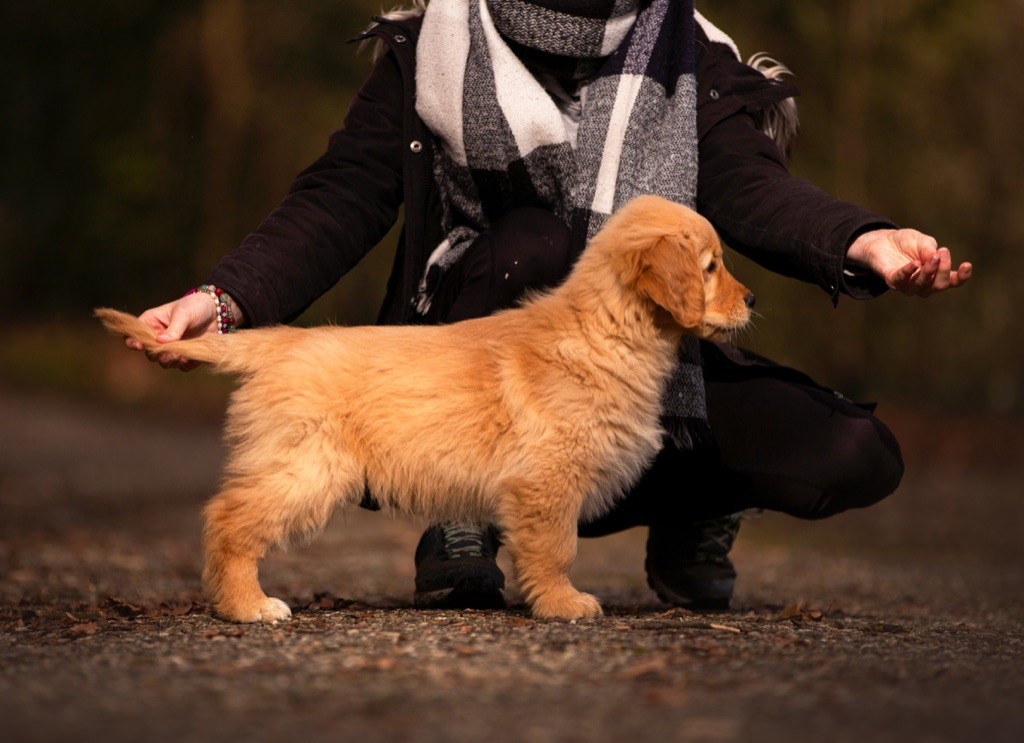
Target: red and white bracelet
x=226 y=322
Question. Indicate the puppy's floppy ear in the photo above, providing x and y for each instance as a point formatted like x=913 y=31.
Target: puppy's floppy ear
x=668 y=273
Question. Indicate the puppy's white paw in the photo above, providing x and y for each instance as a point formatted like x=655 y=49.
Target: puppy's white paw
x=264 y=609
x=567 y=605
x=274 y=610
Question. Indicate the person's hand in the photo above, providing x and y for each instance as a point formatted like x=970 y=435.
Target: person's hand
x=908 y=261
x=189 y=317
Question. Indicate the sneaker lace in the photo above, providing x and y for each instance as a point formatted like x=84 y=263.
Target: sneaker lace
x=717 y=537
x=462 y=541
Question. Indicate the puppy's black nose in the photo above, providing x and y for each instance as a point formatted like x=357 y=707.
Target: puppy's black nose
x=749 y=301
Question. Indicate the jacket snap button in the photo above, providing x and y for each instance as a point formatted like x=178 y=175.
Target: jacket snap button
x=400 y=38
x=416 y=145
x=713 y=94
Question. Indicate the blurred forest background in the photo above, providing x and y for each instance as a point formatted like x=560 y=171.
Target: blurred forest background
x=142 y=139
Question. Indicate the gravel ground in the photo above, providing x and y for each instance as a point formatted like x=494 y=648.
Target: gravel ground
x=903 y=622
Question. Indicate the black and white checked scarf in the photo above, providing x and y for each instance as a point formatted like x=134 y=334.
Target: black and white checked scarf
x=504 y=142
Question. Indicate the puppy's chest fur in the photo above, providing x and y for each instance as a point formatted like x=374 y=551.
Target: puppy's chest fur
x=615 y=418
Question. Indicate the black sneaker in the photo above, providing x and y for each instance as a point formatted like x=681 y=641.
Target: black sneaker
x=456 y=569
x=688 y=564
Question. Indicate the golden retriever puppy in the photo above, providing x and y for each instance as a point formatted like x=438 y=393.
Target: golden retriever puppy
x=532 y=418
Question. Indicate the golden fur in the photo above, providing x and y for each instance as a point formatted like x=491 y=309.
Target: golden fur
x=532 y=418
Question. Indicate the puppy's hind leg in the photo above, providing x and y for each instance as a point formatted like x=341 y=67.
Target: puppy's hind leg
x=540 y=534
x=252 y=514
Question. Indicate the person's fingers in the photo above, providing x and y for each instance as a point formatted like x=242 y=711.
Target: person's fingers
x=951 y=280
x=929 y=269
x=922 y=282
x=942 y=276
x=961 y=275
x=157 y=317
x=901 y=278
x=172 y=360
x=180 y=321
x=917 y=244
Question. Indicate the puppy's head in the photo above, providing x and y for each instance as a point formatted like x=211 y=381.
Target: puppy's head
x=671 y=256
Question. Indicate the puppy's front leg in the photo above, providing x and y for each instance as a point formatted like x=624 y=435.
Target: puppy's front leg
x=540 y=534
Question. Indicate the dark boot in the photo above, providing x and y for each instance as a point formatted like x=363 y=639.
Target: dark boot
x=456 y=569
x=688 y=564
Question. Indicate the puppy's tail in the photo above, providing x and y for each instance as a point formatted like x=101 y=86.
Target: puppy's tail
x=235 y=352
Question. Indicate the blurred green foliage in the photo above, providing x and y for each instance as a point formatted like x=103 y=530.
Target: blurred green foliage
x=141 y=140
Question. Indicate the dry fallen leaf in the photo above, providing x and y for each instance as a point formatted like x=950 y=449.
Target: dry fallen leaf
x=725 y=628
x=86 y=629
x=791 y=611
x=121 y=607
x=649 y=667
x=799 y=613
x=180 y=610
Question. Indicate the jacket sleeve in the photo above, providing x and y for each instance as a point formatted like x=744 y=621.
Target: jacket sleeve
x=336 y=211
x=744 y=189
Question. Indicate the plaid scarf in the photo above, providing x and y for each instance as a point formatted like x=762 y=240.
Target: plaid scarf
x=567 y=39
x=503 y=140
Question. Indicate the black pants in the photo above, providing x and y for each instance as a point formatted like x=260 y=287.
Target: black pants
x=780 y=441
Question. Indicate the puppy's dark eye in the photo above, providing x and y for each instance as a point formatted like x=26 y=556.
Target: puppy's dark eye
x=712 y=266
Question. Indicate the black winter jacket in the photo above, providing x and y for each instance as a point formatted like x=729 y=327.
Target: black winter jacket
x=343 y=204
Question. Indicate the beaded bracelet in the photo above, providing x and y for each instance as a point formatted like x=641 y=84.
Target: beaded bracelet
x=226 y=322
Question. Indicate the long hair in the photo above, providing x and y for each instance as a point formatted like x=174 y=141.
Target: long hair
x=780 y=121
x=398 y=13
